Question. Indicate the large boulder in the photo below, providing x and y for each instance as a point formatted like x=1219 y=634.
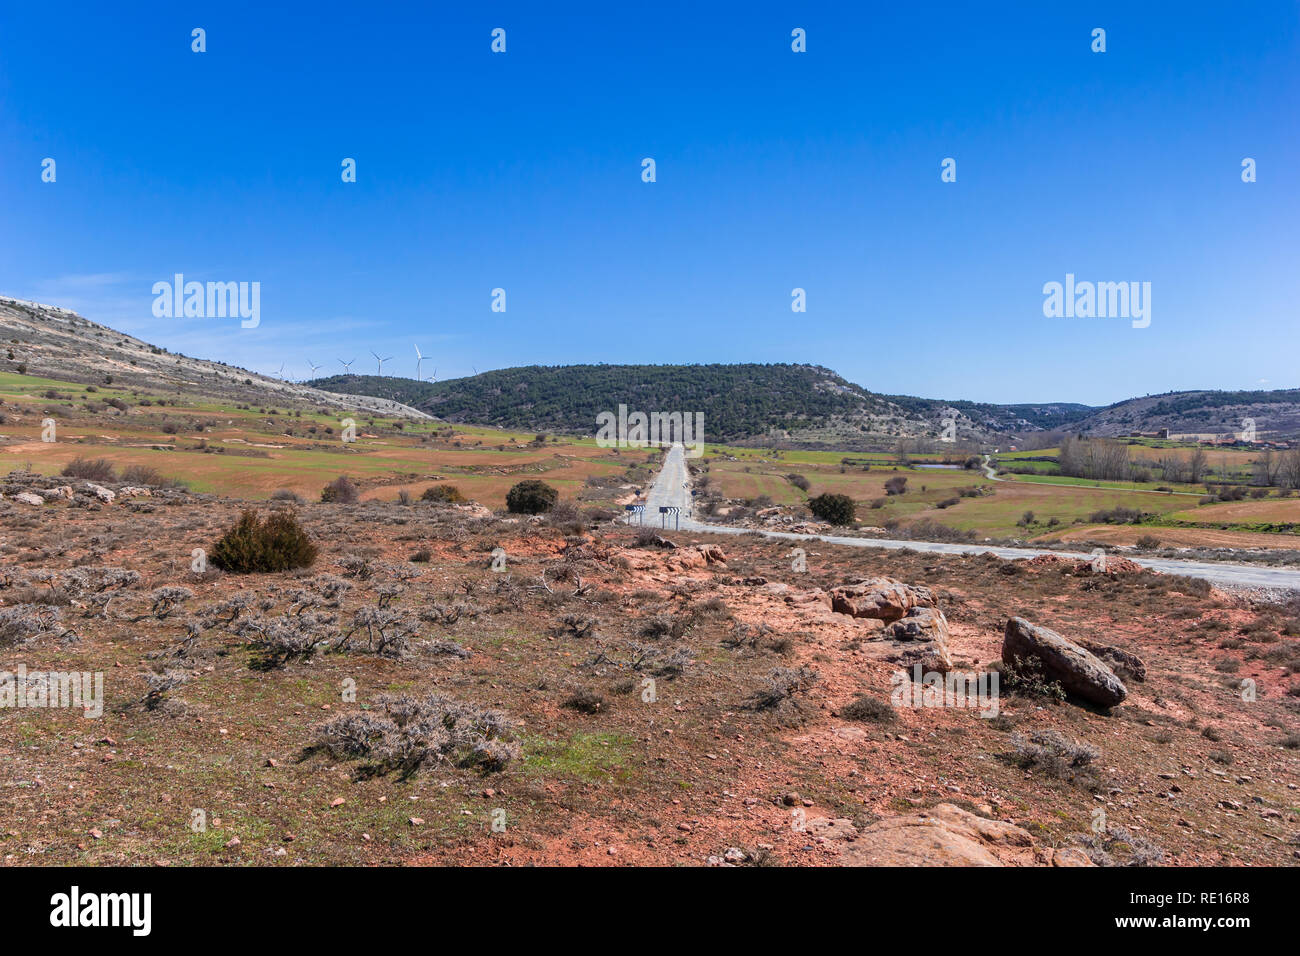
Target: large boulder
x=882 y=598
x=1127 y=666
x=920 y=624
x=922 y=637
x=1078 y=671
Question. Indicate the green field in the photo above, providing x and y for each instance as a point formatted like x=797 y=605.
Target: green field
x=1070 y=501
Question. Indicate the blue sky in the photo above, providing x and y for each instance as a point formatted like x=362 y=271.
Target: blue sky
x=775 y=170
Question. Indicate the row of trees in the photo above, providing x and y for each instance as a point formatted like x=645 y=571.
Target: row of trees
x=1102 y=459
x=1107 y=459
x=1281 y=469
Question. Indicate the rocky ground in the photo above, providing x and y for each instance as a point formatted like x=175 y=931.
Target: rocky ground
x=610 y=696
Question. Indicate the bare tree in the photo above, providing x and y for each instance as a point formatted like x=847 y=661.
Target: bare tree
x=1289 y=468
x=1101 y=459
x=1173 y=468
x=1266 y=468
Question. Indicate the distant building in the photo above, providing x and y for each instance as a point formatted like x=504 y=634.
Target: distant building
x=1158 y=433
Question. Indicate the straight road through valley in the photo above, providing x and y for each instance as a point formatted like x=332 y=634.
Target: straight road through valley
x=671 y=489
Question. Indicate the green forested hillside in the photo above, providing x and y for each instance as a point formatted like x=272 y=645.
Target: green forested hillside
x=738 y=401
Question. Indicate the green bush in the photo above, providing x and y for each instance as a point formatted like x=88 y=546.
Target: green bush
x=531 y=497
x=278 y=543
x=837 y=509
x=443 y=494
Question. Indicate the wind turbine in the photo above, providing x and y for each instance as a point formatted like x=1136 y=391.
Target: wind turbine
x=380 y=360
x=347 y=366
x=418 y=359
x=280 y=374
x=313 y=367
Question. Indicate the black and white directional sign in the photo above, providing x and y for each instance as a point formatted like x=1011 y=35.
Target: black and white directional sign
x=675 y=511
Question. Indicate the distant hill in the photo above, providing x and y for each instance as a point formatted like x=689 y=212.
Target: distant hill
x=802 y=404
x=1276 y=414
x=50 y=342
x=1048 y=416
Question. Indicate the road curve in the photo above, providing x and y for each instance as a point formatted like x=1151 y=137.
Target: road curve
x=671 y=489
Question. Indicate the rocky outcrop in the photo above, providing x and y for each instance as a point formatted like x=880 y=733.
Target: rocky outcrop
x=945 y=835
x=694 y=557
x=1078 y=671
x=713 y=554
x=100 y=492
x=882 y=598
x=815 y=597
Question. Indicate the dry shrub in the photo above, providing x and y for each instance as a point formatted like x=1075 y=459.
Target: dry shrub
x=404 y=733
x=340 y=491
x=868 y=709
x=1055 y=754
x=91 y=469
x=782 y=693
x=443 y=494
x=586 y=701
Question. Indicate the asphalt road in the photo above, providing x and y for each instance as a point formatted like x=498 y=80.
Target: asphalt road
x=671 y=489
